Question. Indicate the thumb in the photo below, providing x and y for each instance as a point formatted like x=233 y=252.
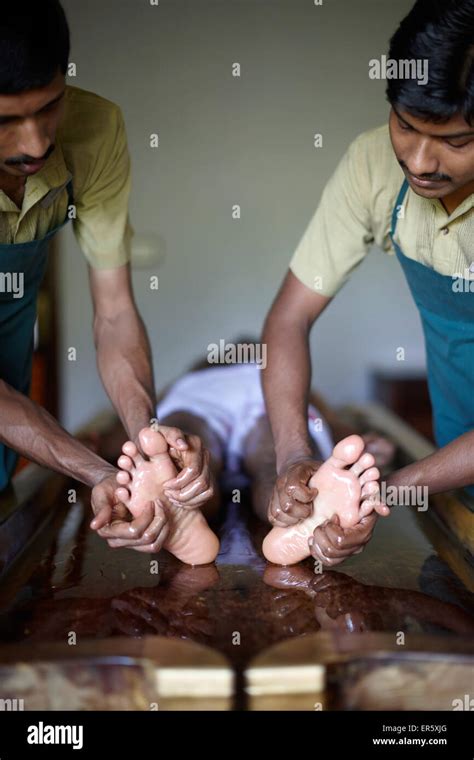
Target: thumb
x=174 y=437
x=103 y=516
x=102 y=507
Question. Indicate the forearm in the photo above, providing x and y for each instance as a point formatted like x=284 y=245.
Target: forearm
x=448 y=468
x=31 y=431
x=286 y=382
x=125 y=366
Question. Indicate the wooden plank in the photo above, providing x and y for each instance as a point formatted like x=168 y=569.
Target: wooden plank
x=155 y=670
x=361 y=671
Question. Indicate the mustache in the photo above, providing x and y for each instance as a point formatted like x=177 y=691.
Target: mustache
x=25 y=159
x=427 y=177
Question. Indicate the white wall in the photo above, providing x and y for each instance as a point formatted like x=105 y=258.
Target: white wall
x=224 y=141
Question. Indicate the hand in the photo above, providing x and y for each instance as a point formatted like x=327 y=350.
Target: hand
x=292 y=498
x=381 y=449
x=331 y=544
x=146 y=533
x=192 y=487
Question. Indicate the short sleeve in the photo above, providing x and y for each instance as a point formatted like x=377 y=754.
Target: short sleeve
x=340 y=233
x=102 y=226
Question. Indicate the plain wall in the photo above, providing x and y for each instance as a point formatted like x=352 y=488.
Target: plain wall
x=226 y=141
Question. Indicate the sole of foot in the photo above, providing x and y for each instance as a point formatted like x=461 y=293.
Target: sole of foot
x=141 y=480
x=348 y=485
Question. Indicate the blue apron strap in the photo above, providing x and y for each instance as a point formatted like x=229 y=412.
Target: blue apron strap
x=398 y=204
x=70 y=195
x=450 y=362
x=17 y=319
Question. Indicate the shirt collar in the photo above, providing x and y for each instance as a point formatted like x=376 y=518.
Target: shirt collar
x=463 y=208
x=48 y=182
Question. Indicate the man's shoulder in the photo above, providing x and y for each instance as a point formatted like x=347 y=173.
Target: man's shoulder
x=85 y=101
x=374 y=147
x=88 y=117
x=374 y=136
x=90 y=133
x=372 y=155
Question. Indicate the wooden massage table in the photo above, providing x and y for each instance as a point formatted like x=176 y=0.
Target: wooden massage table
x=86 y=627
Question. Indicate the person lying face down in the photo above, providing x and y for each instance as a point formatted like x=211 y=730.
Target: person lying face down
x=224 y=407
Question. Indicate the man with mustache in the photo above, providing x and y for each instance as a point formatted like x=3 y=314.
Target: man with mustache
x=408 y=187
x=63 y=157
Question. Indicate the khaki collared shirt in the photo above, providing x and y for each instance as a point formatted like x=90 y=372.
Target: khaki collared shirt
x=355 y=212
x=90 y=147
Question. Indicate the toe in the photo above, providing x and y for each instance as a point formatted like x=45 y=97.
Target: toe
x=366 y=508
x=131 y=451
x=123 y=495
x=363 y=463
x=125 y=463
x=370 y=489
x=152 y=442
x=371 y=474
x=348 y=451
x=123 y=478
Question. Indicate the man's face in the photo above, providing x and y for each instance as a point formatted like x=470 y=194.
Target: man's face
x=28 y=124
x=440 y=154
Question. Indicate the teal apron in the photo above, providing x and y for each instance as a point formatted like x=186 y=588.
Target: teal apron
x=448 y=326
x=17 y=320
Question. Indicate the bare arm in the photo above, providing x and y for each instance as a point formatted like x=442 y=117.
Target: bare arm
x=123 y=349
x=125 y=366
x=33 y=432
x=287 y=378
x=286 y=381
x=448 y=468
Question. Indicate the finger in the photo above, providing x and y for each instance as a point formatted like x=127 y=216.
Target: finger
x=103 y=517
x=279 y=523
x=155 y=536
x=108 y=513
x=130 y=530
x=344 y=543
x=153 y=548
x=197 y=501
x=174 y=437
x=281 y=519
x=366 y=508
x=194 y=462
x=318 y=554
x=295 y=509
x=334 y=535
x=332 y=541
x=192 y=489
x=301 y=492
x=365 y=526
x=381 y=509
x=102 y=503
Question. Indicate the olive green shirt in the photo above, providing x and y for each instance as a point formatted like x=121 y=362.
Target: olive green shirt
x=90 y=147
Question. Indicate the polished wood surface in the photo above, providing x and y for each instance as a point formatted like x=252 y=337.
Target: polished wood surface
x=411 y=579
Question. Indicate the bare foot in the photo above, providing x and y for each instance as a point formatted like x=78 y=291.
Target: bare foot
x=190 y=539
x=350 y=493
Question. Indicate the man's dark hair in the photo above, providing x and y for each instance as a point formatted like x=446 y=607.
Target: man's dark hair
x=34 y=44
x=441 y=32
